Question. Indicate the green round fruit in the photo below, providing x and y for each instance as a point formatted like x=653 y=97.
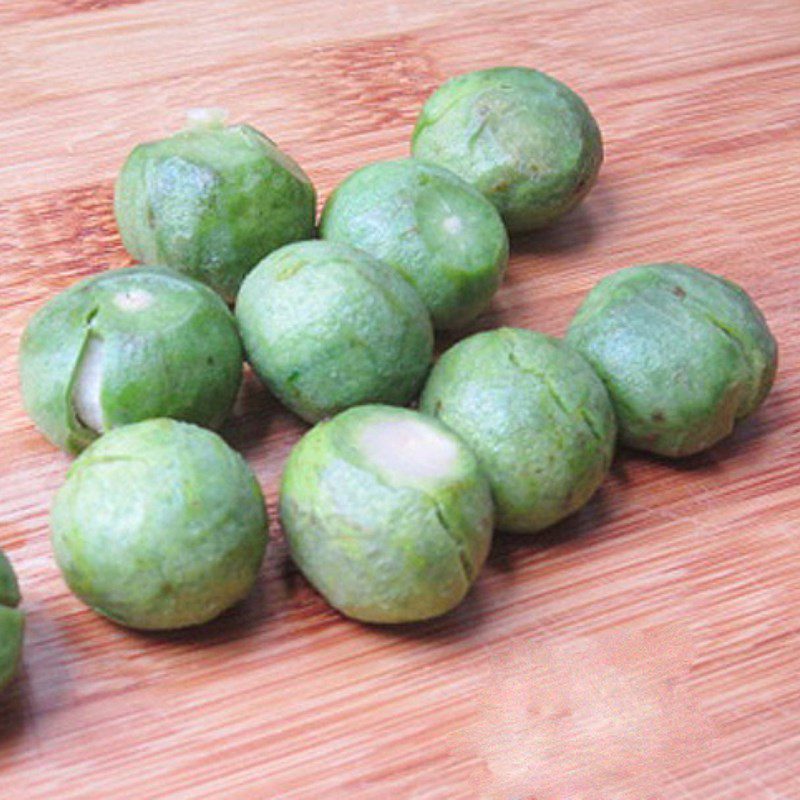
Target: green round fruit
x=159 y=525
x=327 y=327
x=12 y=623
x=438 y=232
x=534 y=413
x=387 y=514
x=128 y=345
x=212 y=201
x=684 y=355
x=525 y=140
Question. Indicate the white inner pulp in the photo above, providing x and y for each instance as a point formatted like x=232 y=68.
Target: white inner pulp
x=206 y=117
x=88 y=382
x=409 y=447
x=133 y=300
x=452 y=224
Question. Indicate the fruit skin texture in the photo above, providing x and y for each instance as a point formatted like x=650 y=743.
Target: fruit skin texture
x=536 y=416
x=170 y=349
x=327 y=327
x=438 y=232
x=684 y=354
x=159 y=525
x=12 y=623
x=524 y=139
x=212 y=201
x=383 y=545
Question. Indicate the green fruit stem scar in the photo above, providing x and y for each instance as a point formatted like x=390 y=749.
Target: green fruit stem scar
x=159 y=525
x=522 y=138
x=326 y=327
x=387 y=513
x=535 y=415
x=684 y=354
x=437 y=231
x=128 y=345
x=212 y=201
x=12 y=623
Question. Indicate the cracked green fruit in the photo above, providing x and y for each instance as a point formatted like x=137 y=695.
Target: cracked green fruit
x=12 y=623
x=535 y=414
x=524 y=139
x=159 y=525
x=438 y=232
x=128 y=345
x=212 y=201
x=327 y=327
x=684 y=355
x=387 y=514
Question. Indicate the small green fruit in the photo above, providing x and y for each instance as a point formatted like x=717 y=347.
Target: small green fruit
x=128 y=345
x=438 y=232
x=684 y=355
x=524 y=139
x=212 y=201
x=387 y=514
x=327 y=327
x=159 y=525
x=534 y=413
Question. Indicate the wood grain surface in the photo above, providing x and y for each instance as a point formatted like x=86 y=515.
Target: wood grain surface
x=646 y=649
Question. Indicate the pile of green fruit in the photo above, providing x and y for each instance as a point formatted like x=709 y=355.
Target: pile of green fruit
x=388 y=512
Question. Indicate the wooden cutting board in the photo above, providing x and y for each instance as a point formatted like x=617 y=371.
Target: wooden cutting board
x=648 y=648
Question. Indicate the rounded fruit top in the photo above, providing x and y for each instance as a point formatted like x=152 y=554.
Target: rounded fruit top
x=536 y=416
x=387 y=513
x=684 y=354
x=212 y=201
x=12 y=623
x=327 y=326
x=441 y=234
x=128 y=345
x=524 y=139
x=159 y=525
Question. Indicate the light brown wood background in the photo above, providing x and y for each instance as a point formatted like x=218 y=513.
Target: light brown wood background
x=647 y=649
